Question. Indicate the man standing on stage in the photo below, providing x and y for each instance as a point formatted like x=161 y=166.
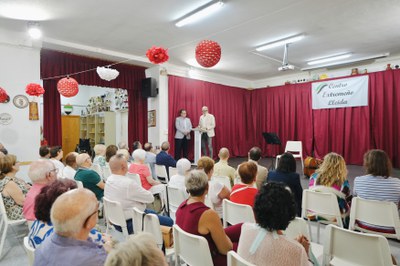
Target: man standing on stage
x=207 y=125
x=183 y=127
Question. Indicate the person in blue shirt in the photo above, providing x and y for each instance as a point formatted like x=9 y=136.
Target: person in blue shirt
x=163 y=158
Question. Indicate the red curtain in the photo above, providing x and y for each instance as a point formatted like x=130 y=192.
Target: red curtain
x=54 y=63
x=242 y=116
x=227 y=104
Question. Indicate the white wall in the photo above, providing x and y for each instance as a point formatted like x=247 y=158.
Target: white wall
x=18 y=67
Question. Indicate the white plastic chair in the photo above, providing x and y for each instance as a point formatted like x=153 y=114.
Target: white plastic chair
x=176 y=196
x=138 y=217
x=30 y=251
x=235 y=260
x=323 y=205
x=235 y=213
x=192 y=249
x=106 y=173
x=5 y=222
x=151 y=224
x=97 y=169
x=295 y=148
x=114 y=215
x=223 y=180
x=345 y=247
x=161 y=173
x=374 y=213
x=79 y=184
x=172 y=171
x=135 y=177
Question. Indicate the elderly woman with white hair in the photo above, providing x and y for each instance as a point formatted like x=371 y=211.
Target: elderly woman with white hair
x=178 y=181
x=100 y=152
x=139 y=167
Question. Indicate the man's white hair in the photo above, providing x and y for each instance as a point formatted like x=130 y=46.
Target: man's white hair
x=39 y=170
x=183 y=165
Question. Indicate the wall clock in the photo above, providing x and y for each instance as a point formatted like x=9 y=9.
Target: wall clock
x=21 y=101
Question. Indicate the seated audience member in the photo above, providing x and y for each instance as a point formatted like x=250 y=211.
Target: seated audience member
x=73 y=214
x=136 y=145
x=126 y=191
x=245 y=192
x=286 y=173
x=163 y=158
x=331 y=176
x=150 y=158
x=56 y=154
x=44 y=152
x=377 y=184
x=138 y=250
x=178 y=181
x=262 y=172
x=42 y=227
x=138 y=167
x=123 y=146
x=42 y=173
x=111 y=150
x=99 y=155
x=89 y=178
x=264 y=243
x=125 y=153
x=222 y=168
x=194 y=217
x=216 y=191
x=69 y=170
x=12 y=188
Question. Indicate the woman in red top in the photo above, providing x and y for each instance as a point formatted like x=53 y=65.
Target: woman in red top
x=140 y=168
x=245 y=192
x=194 y=217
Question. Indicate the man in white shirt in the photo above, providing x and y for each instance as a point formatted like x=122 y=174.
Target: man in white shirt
x=206 y=126
x=130 y=194
x=222 y=168
x=150 y=158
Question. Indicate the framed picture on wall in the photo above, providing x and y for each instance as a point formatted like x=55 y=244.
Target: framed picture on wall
x=151 y=118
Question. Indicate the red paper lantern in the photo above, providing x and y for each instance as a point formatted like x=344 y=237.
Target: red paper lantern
x=67 y=87
x=208 y=53
x=34 y=89
x=157 y=55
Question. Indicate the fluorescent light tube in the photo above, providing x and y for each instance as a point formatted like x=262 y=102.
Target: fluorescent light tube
x=280 y=43
x=200 y=13
x=347 y=62
x=328 y=59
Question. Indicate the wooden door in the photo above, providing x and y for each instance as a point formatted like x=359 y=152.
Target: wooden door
x=70 y=132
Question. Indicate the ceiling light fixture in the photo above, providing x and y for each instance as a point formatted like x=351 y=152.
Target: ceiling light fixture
x=347 y=62
x=199 y=13
x=279 y=42
x=34 y=30
x=326 y=59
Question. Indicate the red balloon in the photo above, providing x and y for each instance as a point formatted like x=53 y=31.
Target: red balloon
x=67 y=87
x=208 y=53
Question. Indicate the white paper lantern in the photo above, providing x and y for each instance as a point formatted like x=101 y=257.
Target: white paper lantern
x=107 y=73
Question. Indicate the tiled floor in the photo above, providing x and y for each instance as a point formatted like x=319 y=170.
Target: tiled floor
x=14 y=252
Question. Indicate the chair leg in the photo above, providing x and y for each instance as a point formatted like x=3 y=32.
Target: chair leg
x=318 y=231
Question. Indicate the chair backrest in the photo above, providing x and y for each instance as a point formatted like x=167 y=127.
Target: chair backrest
x=29 y=250
x=161 y=173
x=321 y=204
x=235 y=260
x=135 y=177
x=115 y=214
x=345 y=247
x=151 y=225
x=172 y=171
x=235 y=213
x=3 y=209
x=97 y=168
x=208 y=203
x=138 y=217
x=106 y=172
x=79 y=183
x=192 y=249
x=175 y=196
x=297 y=227
x=223 y=180
x=376 y=214
x=294 y=147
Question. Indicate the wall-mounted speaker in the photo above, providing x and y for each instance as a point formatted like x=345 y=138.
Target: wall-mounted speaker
x=149 y=87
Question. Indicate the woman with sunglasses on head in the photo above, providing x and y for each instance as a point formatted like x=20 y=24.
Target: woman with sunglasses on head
x=13 y=189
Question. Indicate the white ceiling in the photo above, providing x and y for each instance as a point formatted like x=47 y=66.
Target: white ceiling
x=363 y=27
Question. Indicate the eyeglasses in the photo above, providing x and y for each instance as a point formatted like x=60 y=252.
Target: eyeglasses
x=95 y=212
x=55 y=170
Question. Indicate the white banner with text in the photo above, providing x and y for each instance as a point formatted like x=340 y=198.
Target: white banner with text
x=340 y=93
